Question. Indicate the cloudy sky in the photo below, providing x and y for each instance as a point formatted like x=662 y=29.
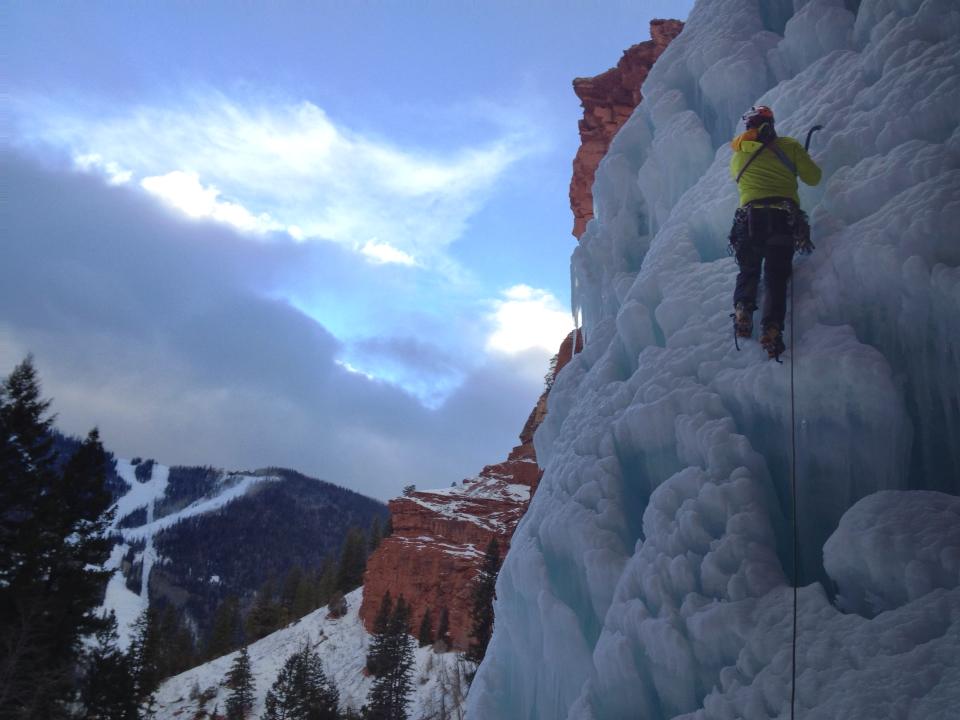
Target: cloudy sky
x=332 y=236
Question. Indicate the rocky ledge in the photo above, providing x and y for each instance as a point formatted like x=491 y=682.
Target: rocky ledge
x=608 y=100
x=439 y=536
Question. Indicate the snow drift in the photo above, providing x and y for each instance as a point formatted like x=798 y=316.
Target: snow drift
x=651 y=576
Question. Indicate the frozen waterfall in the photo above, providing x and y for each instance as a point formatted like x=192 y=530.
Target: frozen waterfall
x=650 y=577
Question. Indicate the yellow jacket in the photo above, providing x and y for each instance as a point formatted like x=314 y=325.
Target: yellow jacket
x=767 y=176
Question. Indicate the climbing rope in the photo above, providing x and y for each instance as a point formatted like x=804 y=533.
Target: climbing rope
x=793 y=479
x=793 y=494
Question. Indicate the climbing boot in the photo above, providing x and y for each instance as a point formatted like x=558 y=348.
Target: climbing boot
x=742 y=320
x=772 y=342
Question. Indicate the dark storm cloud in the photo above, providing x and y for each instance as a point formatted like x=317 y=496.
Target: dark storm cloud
x=410 y=351
x=167 y=333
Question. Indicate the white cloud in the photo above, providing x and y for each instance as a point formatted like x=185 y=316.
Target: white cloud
x=381 y=252
x=355 y=370
x=292 y=167
x=527 y=318
x=184 y=191
x=116 y=175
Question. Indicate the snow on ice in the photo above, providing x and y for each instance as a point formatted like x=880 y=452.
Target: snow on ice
x=651 y=575
x=881 y=557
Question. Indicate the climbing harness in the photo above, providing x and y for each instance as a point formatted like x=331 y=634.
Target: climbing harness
x=801 y=231
x=739 y=231
x=797 y=222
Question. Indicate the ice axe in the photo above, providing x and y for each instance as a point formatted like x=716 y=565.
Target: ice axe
x=807 y=247
x=810 y=132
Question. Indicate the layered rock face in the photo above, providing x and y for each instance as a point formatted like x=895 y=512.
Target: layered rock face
x=439 y=536
x=608 y=100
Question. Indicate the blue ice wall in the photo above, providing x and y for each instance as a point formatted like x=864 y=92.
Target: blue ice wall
x=649 y=578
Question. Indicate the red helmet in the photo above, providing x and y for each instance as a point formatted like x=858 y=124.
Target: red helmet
x=757 y=116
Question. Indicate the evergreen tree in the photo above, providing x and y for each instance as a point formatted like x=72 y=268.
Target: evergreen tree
x=302 y=690
x=327 y=583
x=176 y=651
x=323 y=698
x=389 y=695
x=484 y=591
x=376 y=533
x=443 y=627
x=108 y=691
x=425 y=636
x=376 y=653
x=281 y=697
x=144 y=655
x=240 y=681
x=225 y=635
x=400 y=619
x=353 y=561
x=27 y=469
x=264 y=616
x=305 y=597
x=161 y=647
x=53 y=536
x=288 y=593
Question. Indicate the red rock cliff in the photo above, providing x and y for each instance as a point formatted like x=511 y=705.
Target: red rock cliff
x=439 y=536
x=608 y=100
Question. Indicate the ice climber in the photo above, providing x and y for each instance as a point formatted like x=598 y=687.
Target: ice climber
x=769 y=224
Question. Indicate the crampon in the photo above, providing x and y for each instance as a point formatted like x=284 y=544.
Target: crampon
x=742 y=323
x=772 y=341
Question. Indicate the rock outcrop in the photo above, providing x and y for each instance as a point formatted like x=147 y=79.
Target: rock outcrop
x=439 y=536
x=608 y=100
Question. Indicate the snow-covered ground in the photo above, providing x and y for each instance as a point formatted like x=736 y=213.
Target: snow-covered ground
x=126 y=604
x=439 y=679
x=342 y=645
x=487 y=501
x=650 y=576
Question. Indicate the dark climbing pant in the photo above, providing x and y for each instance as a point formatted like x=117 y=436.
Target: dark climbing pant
x=767 y=245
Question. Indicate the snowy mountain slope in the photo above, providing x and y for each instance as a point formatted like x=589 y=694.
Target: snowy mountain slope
x=342 y=645
x=181 y=528
x=125 y=602
x=649 y=578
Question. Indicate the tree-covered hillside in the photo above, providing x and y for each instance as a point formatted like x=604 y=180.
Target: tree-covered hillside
x=255 y=541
